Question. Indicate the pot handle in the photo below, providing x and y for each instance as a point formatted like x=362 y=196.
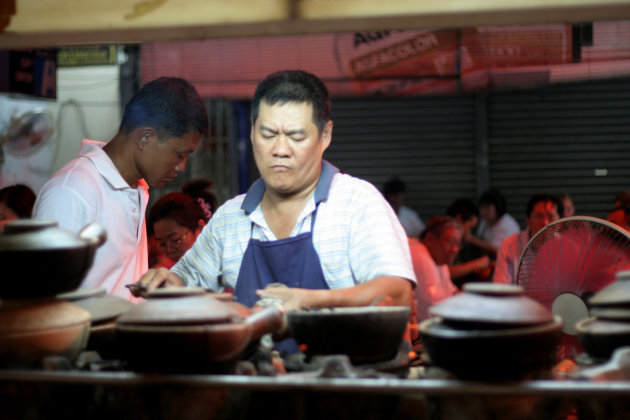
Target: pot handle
x=268 y=320
x=94 y=234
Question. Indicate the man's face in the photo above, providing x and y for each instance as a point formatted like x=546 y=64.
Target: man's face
x=395 y=200
x=287 y=147
x=543 y=213
x=444 y=248
x=488 y=212
x=569 y=209
x=161 y=161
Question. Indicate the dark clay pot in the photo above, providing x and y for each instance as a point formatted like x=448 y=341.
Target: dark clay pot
x=365 y=334
x=491 y=354
x=190 y=334
x=491 y=332
x=47 y=260
x=601 y=337
x=104 y=309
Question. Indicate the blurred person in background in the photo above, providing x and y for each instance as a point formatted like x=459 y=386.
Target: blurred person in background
x=16 y=202
x=431 y=255
x=622 y=199
x=496 y=223
x=542 y=209
x=176 y=219
x=620 y=216
x=567 y=203
x=394 y=192
x=471 y=264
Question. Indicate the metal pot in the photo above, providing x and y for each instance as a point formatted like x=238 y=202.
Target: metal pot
x=46 y=259
x=190 y=334
x=365 y=334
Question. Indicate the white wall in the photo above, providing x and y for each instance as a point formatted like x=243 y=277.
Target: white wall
x=87 y=106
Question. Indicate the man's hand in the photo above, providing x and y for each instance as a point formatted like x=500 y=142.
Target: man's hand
x=154 y=278
x=289 y=298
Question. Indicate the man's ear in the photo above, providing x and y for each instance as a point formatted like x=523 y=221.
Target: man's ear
x=326 y=134
x=144 y=136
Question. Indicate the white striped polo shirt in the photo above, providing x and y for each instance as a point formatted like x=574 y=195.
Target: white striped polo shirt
x=356 y=235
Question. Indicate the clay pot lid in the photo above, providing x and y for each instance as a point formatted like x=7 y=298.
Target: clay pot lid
x=101 y=306
x=175 y=292
x=618 y=313
x=595 y=326
x=616 y=293
x=192 y=309
x=46 y=235
x=82 y=294
x=492 y=303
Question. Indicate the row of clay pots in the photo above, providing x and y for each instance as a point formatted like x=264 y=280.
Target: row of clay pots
x=608 y=327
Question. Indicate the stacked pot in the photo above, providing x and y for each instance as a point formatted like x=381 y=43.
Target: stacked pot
x=608 y=327
x=39 y=261
x=491 y=332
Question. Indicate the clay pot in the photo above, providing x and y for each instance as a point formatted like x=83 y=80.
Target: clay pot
x=104 y=309
x=601 y=337
x=616 y=293
x=47 y=260
x=491 y=354
x=31 y=330
x=491 y=332
x=365 y=334
x=190 y=334
x=608 y=327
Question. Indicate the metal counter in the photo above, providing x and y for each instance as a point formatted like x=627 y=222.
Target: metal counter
x=122 y=395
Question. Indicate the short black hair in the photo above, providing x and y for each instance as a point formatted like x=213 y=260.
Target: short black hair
x=623 y=199
x=438 y=224
x=20 y=198
x=394 y=185
x=495 y=198
x=544 y=197
x=464 y=208
x=293 y=86
x=171 y=105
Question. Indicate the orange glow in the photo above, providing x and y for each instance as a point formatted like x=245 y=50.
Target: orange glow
x=303 y=347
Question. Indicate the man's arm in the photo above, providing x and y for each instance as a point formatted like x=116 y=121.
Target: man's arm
x=460 y=270
x=396 y=288
x=480 y=243
x=502 y=267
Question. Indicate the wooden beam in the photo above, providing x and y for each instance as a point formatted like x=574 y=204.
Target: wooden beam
x=52 y=23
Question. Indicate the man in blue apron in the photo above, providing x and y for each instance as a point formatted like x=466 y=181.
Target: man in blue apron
x=332 y=239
